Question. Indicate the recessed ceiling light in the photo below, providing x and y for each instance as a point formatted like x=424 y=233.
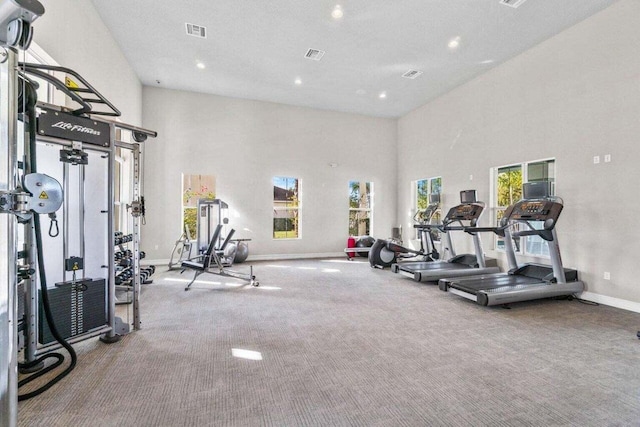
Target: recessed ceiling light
x=454 y=43
x=382 y=95
x=200 y=65
x=486 y=61
x=337 y=12
x=297 y=81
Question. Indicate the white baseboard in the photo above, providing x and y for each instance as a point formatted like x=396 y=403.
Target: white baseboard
x=155 y=262
x=267 y=257
x=276 y=257
x=611 y=301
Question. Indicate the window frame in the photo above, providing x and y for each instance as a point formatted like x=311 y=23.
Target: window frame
x=193 y=209
x=297 y=208
x=494 y=208
x=437 y=216
x=368 y=210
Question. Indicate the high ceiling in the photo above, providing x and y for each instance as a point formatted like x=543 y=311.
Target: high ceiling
x=255 y=49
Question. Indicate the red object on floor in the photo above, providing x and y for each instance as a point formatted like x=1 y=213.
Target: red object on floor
x=351 y=243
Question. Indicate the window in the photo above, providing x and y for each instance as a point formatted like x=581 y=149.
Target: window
x=195 y=187
x=286 y=208
x=36 y=55
x=360 y=205
x=424 y=189
x=507 y=189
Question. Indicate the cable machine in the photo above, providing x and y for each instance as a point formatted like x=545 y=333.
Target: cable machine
x=79 y=149
x=211 y=213
x=49 y=151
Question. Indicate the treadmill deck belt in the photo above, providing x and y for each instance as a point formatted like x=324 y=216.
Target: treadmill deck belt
x=489 y=283
x=432 y=266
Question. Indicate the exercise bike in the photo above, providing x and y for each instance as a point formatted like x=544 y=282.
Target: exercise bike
x=384 y=253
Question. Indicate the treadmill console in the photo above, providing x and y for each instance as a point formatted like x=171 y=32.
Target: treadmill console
x=464 y=212
x=536 y=210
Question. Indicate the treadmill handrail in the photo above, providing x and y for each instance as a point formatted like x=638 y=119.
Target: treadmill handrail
x=455 y=228
x=545 y=234
x=497 y=230
x=439 y=227
x=484 y=229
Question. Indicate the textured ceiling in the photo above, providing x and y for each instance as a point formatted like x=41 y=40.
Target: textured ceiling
x=255 y=48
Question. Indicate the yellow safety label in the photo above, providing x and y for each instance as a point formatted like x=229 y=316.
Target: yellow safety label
x=75 y=266
x=70 y=83
x=44 y=195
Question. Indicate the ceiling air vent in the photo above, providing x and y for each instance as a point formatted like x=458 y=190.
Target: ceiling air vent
x=412 y=74
x=196 y=30
x=512 y=3
x=314 y=54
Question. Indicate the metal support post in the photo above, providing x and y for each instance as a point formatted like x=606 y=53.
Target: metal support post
x=111 y=336
x=136 y=239
x=8 y=243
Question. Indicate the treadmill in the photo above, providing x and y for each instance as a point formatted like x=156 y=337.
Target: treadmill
x=470 y=211
x=529 y=281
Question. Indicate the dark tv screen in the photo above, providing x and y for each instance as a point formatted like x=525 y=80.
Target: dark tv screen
x=468 y=196
x=535 y=190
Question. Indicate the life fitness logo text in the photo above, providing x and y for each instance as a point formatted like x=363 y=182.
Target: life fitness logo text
x=75 y=128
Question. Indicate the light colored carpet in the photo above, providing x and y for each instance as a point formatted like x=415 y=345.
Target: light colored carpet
x=345 y=345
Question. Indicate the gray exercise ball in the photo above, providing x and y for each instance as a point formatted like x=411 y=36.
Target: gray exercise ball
x=242 y=252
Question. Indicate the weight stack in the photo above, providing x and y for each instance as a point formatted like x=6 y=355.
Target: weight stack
x=76 y=308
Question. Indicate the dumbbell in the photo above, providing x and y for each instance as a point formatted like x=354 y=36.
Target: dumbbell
x=148 y=272
x=120 y=279
x=126 y=262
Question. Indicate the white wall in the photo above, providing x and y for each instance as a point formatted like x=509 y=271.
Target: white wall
x=73 y=34
x=245 y=144
x=572 y=97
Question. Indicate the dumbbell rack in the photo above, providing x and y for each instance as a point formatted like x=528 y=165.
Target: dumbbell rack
x=122 y=255
x=126 y=264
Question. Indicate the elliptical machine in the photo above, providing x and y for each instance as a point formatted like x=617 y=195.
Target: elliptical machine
x=384 y=253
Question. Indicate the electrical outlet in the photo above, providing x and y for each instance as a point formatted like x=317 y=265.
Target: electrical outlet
x=607 y=158
x=596 y=160
x=607 y=275
x=470 y=177
x=156 y=247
